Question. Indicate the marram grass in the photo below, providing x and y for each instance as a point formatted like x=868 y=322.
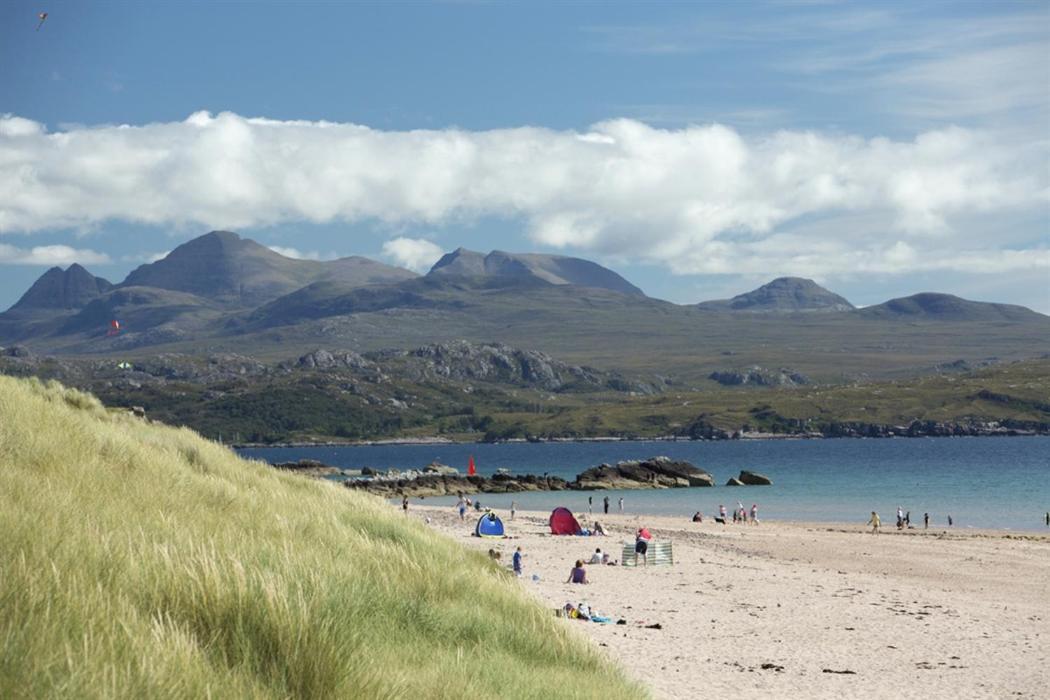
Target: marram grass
x=141 y=561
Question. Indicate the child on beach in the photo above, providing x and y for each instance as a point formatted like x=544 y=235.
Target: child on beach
x=621 y=505
x=516 y=559
x=874 y=522
x=462 y=507
x=404 y=504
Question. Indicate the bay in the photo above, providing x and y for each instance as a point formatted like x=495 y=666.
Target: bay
x=994 y=482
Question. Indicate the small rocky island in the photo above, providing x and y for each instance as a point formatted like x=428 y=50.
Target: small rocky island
x=441 y=480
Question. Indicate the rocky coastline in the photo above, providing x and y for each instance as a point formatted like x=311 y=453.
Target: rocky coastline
x=440 y=480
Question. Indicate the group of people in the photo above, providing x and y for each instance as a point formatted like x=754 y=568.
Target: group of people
x=740 y=515
x=903 y=520
x=605 y=505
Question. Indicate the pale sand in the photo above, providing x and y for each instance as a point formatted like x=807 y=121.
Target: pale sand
x=933 y=615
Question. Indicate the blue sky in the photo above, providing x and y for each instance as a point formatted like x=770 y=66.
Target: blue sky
x=698 y=149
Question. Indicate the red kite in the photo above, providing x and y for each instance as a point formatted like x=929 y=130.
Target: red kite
x=114 y=328
x=471 y=471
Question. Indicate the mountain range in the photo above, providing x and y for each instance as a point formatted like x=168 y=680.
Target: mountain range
x=221 y=292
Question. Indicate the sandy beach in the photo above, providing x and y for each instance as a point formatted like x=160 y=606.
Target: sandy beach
x=801 y=610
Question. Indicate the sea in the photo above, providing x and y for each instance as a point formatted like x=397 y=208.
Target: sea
x=981 y=482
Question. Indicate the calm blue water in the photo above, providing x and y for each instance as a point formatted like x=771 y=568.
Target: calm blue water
x=981 y=482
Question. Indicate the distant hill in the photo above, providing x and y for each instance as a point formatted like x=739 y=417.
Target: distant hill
x=782 y=295
x=553 y=269
x=946 y=307
x=223 y=267
x=59 y=289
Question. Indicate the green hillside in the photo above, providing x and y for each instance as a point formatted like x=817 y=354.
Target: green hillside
x=142 y=561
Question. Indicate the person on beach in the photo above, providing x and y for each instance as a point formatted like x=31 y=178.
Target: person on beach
x=578 y=573
x=596 y=558
x=641 y=546
x=404 y=504
x=621 y=505
x=590 y=505
x=605 y=503
x=598 y=529
x=900 y=518
x=697 y=517
x=754 y=514
x=516 y=560
x=949 y=519
x=925 y=521
x=1048 y=518
x=907 y=519
x=722 y=513
x=513 y=508
x=875 y=523
x=462 y=507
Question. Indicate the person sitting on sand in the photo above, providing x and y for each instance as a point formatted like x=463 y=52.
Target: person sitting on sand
x=516 y=561
x=606 y=559
x=578 y=573
x=697 y=517
x=598 y=529
x=596 y=558
x=874 y=522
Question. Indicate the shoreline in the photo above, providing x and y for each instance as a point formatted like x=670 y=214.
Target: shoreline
x=799 y=609
x=433 y=440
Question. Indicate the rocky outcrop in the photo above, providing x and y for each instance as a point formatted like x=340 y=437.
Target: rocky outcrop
x=753 y=479
x=309 y=467
x=759 y=376
x=416 y=484
x=498 y=363
x=653 y=473
x=733 y=481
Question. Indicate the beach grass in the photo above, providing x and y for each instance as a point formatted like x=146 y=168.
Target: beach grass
x=139 y=560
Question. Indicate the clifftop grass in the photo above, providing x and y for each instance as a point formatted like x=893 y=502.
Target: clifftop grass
x=139 y=560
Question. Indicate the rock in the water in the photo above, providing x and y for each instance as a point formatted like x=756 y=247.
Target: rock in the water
x=439 y=468
x=733 y=481
x=653 y=473
x=753 y=479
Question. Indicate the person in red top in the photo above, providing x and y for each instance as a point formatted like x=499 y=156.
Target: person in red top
x=641 y=545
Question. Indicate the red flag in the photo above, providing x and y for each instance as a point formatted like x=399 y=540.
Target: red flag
x=471 y=471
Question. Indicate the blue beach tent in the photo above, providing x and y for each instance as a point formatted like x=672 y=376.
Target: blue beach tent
x=489 y=525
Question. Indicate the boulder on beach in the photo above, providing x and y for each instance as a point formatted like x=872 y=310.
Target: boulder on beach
x=733 y=481
x=439 y=468
x=753 y=479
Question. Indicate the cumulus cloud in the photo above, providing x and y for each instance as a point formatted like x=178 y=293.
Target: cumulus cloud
x=697 y=199
x=416 y=254
x=50 y=255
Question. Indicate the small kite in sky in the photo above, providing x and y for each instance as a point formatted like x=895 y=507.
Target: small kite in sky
x=42 y=16
x=114 y=328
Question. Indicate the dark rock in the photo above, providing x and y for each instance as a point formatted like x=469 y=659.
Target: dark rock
x=733 y=481
x=759 y=376
x=753 y=479
x=656 y=472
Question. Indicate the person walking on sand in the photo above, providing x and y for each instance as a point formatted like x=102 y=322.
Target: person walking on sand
x=462 y=507
x=875 y=523
x=754 y=514
x=605 y=504
x=621 y=505
x=513 y=508
x=404 y=504
x=900 y=518
x=590 y=505
x=925 y=521
x=516 y=560
x=1048 y=518
x=949 y=519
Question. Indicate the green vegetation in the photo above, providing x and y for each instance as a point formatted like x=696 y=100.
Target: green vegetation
x=142 y=561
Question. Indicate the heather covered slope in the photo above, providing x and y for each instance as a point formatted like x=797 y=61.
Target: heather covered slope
x=143 y=561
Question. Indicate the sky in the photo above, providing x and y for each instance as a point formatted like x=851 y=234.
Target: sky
x=700 y=150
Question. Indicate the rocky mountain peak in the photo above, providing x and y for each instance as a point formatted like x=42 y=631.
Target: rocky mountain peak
x=783 y=295
x=59 y=289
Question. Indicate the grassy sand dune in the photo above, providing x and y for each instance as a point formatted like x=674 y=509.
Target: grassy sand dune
x=143 y=561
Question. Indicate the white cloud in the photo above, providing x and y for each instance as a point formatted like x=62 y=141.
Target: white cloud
x=416 y=254
x=299 y=254
x=696 y=199
x=50 y=255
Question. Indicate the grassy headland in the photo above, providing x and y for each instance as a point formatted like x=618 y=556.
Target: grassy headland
x=140 y=560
